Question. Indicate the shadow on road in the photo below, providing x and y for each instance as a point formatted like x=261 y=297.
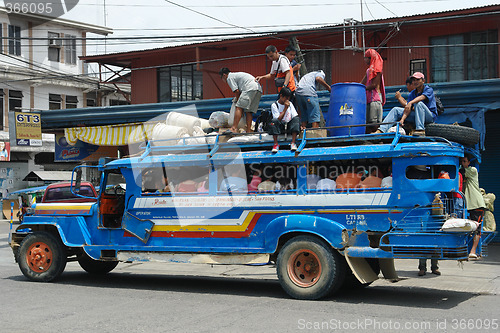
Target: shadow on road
x=384 y=295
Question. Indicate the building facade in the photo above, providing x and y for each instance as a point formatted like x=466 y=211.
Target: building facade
x=40 y=69
x=447 y=47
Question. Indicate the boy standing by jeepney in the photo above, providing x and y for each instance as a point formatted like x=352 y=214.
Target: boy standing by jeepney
x=474 y=200
x=285 y=118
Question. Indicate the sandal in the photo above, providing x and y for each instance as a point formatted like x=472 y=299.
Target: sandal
x=473 y=256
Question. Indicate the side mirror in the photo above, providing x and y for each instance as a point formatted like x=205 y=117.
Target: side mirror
x=78 y=181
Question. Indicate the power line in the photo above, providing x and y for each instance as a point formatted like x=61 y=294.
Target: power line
x=249 y=56
x=209 y=16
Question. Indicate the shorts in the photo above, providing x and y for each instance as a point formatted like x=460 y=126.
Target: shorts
x=249 y=101
x=276 y=127
x=458 y=207
x=477 y=215
x=374 y=112
x=310 y=112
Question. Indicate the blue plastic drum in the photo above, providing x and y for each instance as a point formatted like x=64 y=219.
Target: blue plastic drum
x=347 y=107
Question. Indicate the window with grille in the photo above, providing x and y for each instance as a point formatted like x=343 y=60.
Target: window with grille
x=70 y=49
x=71 y=102
x=15 y=40
x=179 y=83
x=470 y=56
x=418 y=65
x=15 y=100
x=55 y=102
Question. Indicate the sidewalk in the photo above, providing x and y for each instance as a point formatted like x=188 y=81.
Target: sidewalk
x=481 y=276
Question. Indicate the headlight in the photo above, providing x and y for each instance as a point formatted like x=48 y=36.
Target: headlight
x=30 y=211
x=345 y=236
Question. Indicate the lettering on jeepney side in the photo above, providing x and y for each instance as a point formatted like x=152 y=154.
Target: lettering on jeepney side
x=355 y=219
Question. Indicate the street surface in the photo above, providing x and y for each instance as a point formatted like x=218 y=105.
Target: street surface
x=154 y=297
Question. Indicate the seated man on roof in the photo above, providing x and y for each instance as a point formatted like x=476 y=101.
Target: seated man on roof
x=420 y=108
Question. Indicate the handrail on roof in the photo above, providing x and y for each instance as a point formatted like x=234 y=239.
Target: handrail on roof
x=214 y=148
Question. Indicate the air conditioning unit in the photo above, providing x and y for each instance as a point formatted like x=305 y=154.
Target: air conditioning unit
x=54 y=42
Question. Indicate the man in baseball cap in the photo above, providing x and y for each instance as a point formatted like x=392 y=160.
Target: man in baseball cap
x=420 y=108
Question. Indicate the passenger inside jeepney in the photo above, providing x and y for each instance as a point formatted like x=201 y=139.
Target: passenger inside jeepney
x=418 y=172
x=256 y=178
x=234 y=180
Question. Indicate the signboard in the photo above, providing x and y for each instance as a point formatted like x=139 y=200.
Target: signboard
x=28 y=129
x=81 y=151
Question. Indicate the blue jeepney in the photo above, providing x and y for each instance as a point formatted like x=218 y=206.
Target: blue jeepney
x=321 y=240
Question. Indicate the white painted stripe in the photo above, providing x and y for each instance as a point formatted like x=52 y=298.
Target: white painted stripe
x=202 y=221
x=278 y=201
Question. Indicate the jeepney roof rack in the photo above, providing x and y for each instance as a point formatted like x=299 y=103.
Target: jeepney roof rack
x=184 y=146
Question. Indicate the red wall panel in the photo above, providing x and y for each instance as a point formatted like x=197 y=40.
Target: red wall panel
x=247 y=55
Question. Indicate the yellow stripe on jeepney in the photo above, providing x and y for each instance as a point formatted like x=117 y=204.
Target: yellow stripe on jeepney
x=205 y=227
x=62 y=208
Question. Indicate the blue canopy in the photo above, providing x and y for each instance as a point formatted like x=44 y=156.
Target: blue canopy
x=29 y=190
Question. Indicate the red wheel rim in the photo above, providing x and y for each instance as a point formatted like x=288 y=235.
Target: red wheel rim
x=304 y=268
x=39 y=257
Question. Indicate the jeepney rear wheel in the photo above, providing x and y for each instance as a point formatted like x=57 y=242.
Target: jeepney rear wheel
x=41 y=256
x=96 y=267
x=308 y=268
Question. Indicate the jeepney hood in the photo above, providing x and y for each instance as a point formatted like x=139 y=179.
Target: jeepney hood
x=81 y=209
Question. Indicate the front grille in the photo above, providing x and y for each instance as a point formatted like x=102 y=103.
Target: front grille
x=431 y=253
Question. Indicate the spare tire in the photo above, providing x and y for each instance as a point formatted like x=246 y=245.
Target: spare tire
x=464 y=135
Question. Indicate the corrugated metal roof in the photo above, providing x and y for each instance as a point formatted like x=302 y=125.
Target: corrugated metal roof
x=49 y=176
x=451 y=93
x=481 y=9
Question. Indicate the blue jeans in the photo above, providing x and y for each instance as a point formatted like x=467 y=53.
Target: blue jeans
x=420 y=116
x=422 y=264
x=310 y=111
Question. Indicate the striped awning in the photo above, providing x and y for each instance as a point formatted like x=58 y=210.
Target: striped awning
x=113 y=135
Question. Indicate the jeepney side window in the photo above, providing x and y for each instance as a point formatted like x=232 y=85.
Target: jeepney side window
x=272 y=177
x=431 y=172
x=339 y=175
x=175 y=180
x=232 y=179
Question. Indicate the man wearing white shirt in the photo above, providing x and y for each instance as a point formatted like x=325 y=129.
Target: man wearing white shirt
x=247 y=95
x=281 y=70
x=285 y=118
x=307 y=98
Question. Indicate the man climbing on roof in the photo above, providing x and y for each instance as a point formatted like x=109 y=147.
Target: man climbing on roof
x=247 y=95
x=420 y=108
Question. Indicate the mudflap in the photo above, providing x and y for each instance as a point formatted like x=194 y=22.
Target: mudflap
x=361 y=269
x=137 y=227
x=365 y=274
x=388 y=269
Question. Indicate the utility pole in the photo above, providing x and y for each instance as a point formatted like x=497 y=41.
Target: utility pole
x=300 y=57
x=362 y=26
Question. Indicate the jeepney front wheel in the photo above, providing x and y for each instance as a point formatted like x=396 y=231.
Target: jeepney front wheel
x=308 y=268
x=41 y=256
x=96 y=267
